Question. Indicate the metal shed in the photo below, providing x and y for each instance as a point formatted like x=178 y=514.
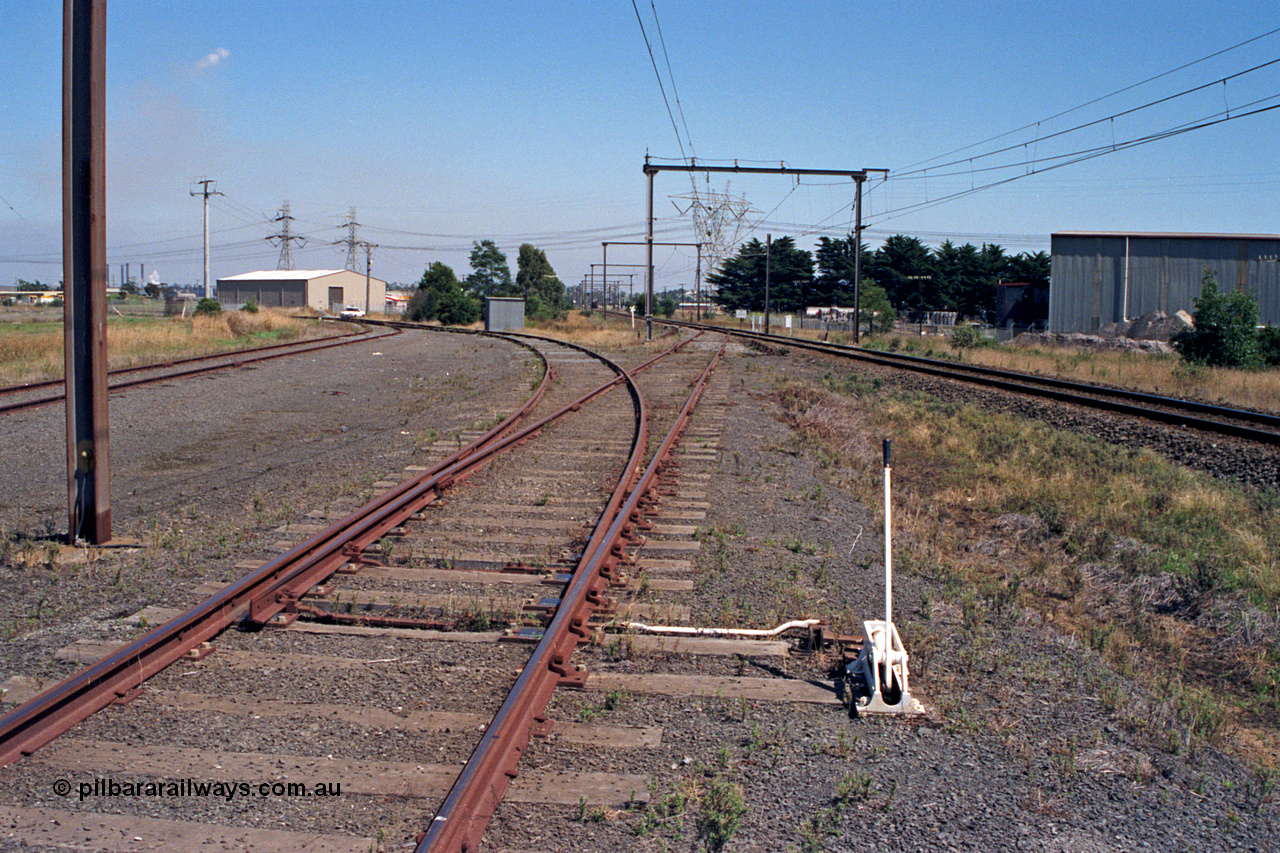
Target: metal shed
x=323 y=290
x=503 y=314
x=1100 y=277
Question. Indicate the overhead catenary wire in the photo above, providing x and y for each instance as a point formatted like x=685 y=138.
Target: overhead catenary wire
x=1098 y=99
x=1087 y=154
x=903 y=174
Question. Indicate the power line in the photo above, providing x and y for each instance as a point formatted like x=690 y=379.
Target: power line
x=1098 y=99
x=675 y=93
x=1095 y=122
x=1089 y=154
x=658 y=74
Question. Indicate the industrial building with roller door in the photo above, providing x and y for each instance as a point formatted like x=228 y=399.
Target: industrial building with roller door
x=1101 y=277
x=323 y=290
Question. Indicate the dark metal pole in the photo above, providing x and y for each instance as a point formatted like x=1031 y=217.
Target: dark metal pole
x=697 y=285
x=604 y=271
x=768 y=253
x=857 y=263
x=84 y=268
x=648 y=287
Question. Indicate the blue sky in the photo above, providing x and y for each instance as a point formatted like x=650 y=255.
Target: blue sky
x=443 y=123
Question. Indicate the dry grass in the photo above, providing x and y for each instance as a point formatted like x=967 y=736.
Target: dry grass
x=591 y=331
x=1171 y=577
x=31 y=352
x=1152 y=373
x=1156 y=374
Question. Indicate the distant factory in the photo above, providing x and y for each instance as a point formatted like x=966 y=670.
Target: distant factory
x=1101 y=277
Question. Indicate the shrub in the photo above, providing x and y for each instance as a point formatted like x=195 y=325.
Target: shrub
x=457 y=309
x=965 y=336
x=250 y=307
x=1269 y=345
x=719 y=813
x=207 y=307
x=1223 y=335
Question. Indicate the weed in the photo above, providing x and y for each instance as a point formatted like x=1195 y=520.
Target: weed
x=855 y=786
x=720 y=811
x=614 y=699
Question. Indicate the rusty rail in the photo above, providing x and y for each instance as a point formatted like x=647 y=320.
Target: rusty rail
x=1262 y=427
x=238 y=358
x=260 y=596
x=462 y=818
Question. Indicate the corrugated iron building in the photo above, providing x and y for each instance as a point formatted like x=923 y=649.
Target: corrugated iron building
x=1100 y=277
x=323 y=290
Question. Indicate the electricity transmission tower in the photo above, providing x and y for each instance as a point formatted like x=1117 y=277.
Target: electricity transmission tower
x=351 y=241
x=719 y=220
x=285 y=239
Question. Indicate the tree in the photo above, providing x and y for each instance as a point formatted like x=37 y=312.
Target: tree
x=904 y=267
x=1223 y=335
x=24 y=285
x=537 y=281
x=458 y=309
x=740 y=281
x=833 y=284
x=1030 y=268
x=440 y=297
x=490 y=275
x=877 y=311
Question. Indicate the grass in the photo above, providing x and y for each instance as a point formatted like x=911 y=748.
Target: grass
x=1088 y=533
x=33 y=351
x=1153 y=373
x=1156 y=374
x=591 y=332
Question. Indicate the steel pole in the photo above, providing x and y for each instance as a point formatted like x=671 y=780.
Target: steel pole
x=697 y=285
x=768 y=260
x=84 y=268
x=648 y=239
x=368 y=266
x=857 y=263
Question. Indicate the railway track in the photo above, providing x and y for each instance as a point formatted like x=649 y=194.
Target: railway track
x=31 y=395
x=510 y=565
x=1260 y=427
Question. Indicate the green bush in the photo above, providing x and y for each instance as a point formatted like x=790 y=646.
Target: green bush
x=207 y=307
x=1269 y=345
x=250 y=307
x=457 y=309
x=965 y=336
x=1223 y=335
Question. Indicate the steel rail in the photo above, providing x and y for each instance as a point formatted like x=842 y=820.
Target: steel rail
x=460 y=822
x=1062 y=390
x=258 y=595
x=274 y=587
x=239 y=358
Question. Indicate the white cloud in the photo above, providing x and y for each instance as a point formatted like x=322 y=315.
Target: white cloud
x=213 y=59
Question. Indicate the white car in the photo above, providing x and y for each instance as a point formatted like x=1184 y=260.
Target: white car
x=352 y=312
